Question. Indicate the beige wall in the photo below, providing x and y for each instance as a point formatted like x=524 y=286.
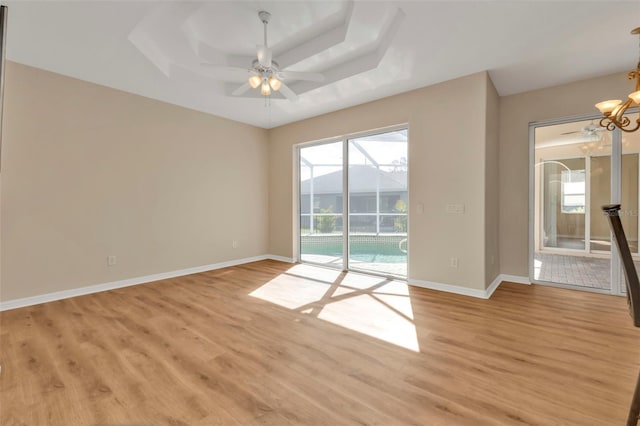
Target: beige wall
x=492 y=185
x=446 y=165
x=516 y=112
x=89 y=172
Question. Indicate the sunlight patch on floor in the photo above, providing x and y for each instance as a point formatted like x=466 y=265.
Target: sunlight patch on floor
x=374 y=306
x=367 y=315
x=314 y=273
x=358 y=281
x=402 y=304
x=299 y=286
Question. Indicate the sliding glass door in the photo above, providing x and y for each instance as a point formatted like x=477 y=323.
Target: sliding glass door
x=630 y=188
x=321 y=202
x=367 y=229
x=378 y=200
x=630 y=195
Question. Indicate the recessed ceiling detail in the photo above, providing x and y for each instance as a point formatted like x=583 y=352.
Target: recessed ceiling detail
x=177 y=38
x=366 y=50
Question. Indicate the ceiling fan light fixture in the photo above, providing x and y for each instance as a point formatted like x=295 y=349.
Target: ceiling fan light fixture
x=265 y=75
x=614 y=111
x=265 y=90
x=275 y=83
x=255 y=81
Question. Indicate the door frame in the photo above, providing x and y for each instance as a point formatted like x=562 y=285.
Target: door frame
x=344 y=139
x=616 y=276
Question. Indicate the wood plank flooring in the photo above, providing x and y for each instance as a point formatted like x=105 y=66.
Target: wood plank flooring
x=278 y=344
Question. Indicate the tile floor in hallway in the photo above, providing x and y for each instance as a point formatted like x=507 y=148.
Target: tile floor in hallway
x=582 y=271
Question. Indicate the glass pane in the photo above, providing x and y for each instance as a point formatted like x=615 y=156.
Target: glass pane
x=629 y=205
x=321 y=196
x=572 y=180
x=600 y=196
x=630 y=189
x=378 y=203
x=564 y=203
x=629 y=199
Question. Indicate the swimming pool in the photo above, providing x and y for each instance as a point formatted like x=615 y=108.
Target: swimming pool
x=363 y=248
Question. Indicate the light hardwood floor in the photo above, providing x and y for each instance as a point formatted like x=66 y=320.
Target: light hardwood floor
x=261 y=344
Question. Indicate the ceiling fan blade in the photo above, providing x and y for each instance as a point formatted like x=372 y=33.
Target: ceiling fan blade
x=241 y=90
x=264 y=56
x=301 y=75
x=288 y=93
x=571 y=133
x=227 y=73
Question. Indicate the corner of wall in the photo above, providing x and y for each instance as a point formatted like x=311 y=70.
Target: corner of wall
x=492 y=183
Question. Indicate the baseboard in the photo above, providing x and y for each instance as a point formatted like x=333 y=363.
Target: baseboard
x=81 y=291
x=493 y=286
x=280 y=258
x=449 y=288
x=517 y=279
x=465 y=291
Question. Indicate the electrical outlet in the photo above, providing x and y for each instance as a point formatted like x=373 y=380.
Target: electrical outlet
x=111 y=260
x=234 y=244
x=453 y=262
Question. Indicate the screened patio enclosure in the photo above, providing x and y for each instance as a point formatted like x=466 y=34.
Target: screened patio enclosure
x=366 y=177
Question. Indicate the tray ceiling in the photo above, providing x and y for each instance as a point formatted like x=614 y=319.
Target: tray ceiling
x=367 y=50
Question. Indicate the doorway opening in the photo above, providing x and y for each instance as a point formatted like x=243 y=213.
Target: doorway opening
x=577 y=167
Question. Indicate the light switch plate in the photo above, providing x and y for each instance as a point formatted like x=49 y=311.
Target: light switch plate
x=455 y=208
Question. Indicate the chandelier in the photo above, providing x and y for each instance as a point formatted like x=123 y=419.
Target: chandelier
x=614 y=110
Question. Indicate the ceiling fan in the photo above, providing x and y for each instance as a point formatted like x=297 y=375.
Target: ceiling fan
x=590 y=136
x=265 y=73
x=589 y=130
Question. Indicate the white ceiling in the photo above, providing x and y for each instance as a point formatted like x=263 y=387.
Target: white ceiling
x=368 y=50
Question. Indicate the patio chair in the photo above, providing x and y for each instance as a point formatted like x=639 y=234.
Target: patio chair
x=633 y=292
